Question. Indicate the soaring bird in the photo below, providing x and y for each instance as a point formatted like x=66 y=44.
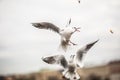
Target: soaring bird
x=64 y=33
x=70 y=67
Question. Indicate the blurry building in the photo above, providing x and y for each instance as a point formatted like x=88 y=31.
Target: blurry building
x=110 y=71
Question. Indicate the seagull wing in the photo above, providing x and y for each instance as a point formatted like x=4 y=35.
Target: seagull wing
x=68 y=23
x=80 y=53
x=57 y=59
x=46 y=25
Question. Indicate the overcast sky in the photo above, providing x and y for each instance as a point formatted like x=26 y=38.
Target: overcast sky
x=22 y=45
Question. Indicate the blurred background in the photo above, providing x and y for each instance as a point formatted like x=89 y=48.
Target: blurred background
x=22 y=45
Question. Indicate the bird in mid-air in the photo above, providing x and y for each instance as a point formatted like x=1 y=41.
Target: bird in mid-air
x=65 y=33
x=70 y=67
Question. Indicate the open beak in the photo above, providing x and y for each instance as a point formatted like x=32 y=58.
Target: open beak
x=77 y=29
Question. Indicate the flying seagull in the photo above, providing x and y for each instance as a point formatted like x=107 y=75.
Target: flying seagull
x=64 y=33
x=70 y=67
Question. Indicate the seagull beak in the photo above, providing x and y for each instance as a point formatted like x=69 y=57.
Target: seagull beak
x=77 y=29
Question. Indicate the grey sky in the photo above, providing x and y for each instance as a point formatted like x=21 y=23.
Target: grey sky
x=22 y=45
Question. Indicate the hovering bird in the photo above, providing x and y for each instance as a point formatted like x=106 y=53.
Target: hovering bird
x=70 y=67
x=64 y=33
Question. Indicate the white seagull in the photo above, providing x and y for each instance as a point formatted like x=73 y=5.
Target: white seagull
x=64 y=33
x=70 y=67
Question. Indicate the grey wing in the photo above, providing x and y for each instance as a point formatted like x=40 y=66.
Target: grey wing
x=82 y=51
x=68 y=23
x=57 y=59
x=46 y=25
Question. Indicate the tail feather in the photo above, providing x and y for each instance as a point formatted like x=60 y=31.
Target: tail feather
x=64 y=44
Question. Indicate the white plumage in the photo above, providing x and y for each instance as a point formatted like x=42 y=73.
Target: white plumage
x=70 y=67
x=64 y=33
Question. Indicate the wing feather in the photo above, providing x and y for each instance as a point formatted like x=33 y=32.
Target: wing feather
x=68 y=23
x=46 y=25
x=82 y=51
x=57 y=59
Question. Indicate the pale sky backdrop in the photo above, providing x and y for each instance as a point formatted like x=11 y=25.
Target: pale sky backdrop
x=22 y=45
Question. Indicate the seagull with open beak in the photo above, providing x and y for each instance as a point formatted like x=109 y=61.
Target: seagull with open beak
x=65 y=33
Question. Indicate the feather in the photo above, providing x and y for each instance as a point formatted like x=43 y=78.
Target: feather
x=57 y=59
x=68 y=23
x=46 y=25
x=80 y=53
x=64 y=44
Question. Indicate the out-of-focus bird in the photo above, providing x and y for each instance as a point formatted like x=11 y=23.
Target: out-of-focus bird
x=78 y=1
x=64 y=33
x=111 y=31
x=70 y=67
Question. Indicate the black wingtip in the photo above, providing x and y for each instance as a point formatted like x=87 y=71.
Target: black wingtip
x=69 y=21
x=96 y=41
x=33 y=24
x=91 y=44
x=37 y=25
x=43 y=59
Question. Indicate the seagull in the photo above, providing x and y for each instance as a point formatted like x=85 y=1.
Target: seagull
x=70 y=67
x=65 y=33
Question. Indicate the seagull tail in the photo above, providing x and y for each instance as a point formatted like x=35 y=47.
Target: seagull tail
x=64 y=44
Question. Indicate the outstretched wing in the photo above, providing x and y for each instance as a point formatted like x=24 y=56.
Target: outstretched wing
x=82 y=51
x=78 y=1
x=46 y=25
x=57 y=59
